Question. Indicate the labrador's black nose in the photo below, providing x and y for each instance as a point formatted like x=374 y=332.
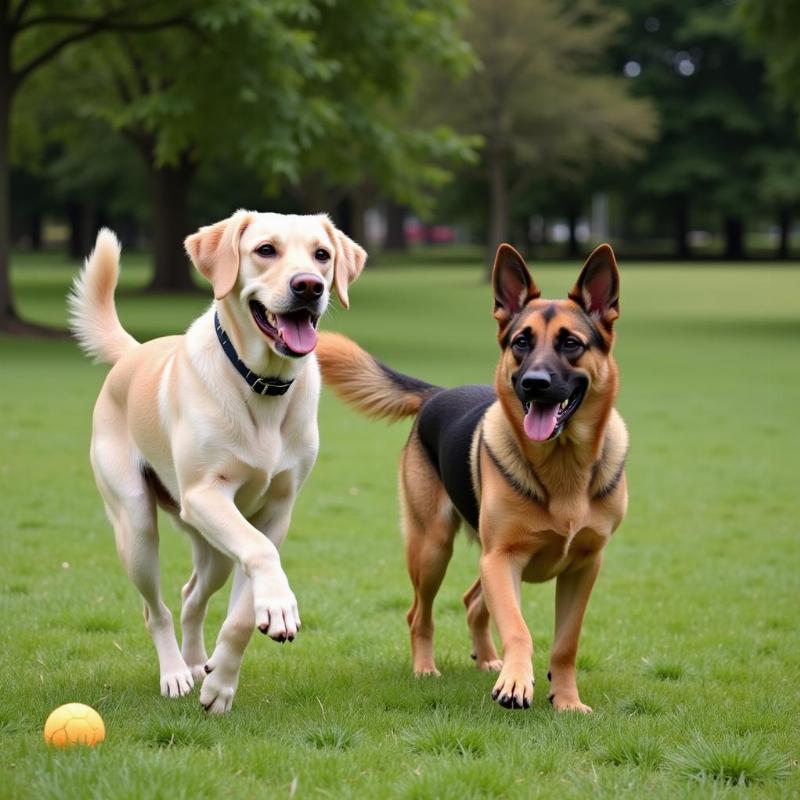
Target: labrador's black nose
x=536 y=380
x=306 y=286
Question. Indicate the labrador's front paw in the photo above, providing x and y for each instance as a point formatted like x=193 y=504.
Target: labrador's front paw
x=276 y=610
x=176 y=682
x=219 y=687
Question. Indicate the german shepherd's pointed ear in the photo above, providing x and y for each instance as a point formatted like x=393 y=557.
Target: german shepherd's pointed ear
x=513 y=285
x=349 y=260
x=597 y=289
x=214 y=250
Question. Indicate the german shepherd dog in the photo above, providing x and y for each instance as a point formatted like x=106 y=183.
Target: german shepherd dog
x=534 y=466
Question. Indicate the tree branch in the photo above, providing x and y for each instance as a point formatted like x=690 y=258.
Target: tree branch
x=139 y=76
x=100 y=25
x=68 y=19
x=16 y=19
x=73 y=19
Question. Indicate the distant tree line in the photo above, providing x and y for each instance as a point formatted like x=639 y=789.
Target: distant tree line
x=157 y=117
x=685 y=113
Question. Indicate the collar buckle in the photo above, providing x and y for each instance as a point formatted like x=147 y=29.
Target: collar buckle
x=266 y=387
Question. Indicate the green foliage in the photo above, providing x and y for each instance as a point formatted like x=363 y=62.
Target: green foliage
x=773 y=26
x=289 y=89
x=722 y=133
x=538 y=97
x=542 y=100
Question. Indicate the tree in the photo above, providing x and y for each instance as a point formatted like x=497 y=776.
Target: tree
x=539 y=100
x=773 y=26
x=296 y=90
x=717 y=117
x=32 y=34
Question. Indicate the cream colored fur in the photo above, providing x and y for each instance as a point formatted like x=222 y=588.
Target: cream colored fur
x=175 y=424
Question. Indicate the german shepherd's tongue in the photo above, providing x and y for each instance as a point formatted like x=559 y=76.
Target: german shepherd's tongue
x=540 y=421
x=297 y=331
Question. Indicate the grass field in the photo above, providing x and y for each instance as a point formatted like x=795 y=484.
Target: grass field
x=690 y=654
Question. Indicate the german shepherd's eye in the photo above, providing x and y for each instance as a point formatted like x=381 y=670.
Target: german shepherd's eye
x=571 y=344
x=266 y=250
x=322 y=255
x=520 y=343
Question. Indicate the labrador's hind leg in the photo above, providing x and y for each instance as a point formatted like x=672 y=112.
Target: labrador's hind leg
x=131 y=507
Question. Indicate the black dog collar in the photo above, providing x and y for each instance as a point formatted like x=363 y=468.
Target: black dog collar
x=259 y=384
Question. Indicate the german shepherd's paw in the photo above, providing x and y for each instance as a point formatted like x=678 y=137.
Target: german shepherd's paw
x=427 y=671
x=488 y=665
x=514 y=688
x=566 y=702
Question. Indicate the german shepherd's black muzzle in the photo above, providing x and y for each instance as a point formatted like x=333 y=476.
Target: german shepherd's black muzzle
x=549 y=398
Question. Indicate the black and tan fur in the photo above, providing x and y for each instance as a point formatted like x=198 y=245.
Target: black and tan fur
x=541 y=509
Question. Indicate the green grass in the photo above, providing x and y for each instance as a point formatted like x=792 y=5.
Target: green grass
x=690 y=647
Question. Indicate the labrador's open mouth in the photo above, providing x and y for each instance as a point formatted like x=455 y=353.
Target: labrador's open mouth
x=294 y=332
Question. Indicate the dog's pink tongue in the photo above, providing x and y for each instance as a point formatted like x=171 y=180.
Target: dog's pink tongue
x=540 y=421
x=298 y=332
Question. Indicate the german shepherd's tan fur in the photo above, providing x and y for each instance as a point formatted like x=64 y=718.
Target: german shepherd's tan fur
x=546 y=463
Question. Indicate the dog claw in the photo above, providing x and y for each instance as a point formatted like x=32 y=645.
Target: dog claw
x=510 y=701
x=207 y=669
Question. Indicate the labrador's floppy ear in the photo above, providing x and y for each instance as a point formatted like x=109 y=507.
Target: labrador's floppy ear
x=597 y=288
x=214 y=250
x=513 y=285
x=348 y=262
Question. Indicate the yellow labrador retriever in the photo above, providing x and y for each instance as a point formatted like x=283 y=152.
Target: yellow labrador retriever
x=218 y=427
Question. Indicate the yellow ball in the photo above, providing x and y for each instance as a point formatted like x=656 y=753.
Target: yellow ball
x=74 y=723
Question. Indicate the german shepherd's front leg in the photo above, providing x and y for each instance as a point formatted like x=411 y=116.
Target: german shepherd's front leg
x=572 y=595
x=501 y=575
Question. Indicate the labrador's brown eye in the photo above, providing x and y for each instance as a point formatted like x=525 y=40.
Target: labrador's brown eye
x=266 y=250
x=322 y=255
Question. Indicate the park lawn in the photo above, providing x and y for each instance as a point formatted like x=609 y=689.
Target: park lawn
x=690 y=654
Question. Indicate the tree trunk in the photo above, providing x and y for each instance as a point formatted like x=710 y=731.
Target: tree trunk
x=734 y=238
x=348 y=215
x=170 y=197
x=395 y=238
x=681 y=208
x=83 y=225
x=785 y=227
x=8 y=314
x=35 y=230
x=572 y=240
x=499 y=203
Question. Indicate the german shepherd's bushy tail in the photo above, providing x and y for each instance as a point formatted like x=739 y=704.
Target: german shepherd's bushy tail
x=93 y=316
x=366 y=383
